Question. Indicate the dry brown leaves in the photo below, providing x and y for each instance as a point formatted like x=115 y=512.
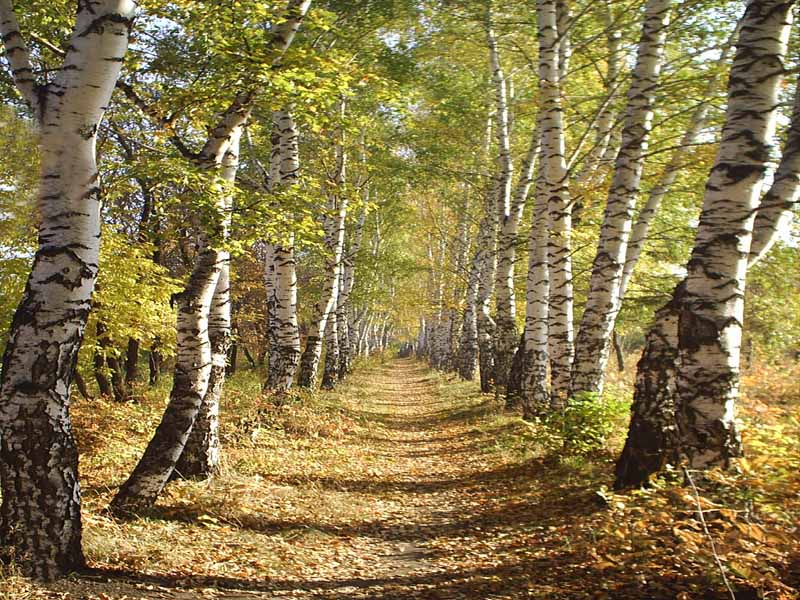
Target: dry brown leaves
x=405 y=484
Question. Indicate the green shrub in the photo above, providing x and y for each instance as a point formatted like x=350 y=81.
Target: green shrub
x=586 y=422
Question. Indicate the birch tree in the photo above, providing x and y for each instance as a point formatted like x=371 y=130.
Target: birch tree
x=508 y=216
x=196 y=361
x=710 y=323
x=675 y=164
x=534 y=354
x=668 y=421
x=334 y=227
x=348 y=342
x=593 y=341
x=555 y=190
x=40 y=514
x=281 y=275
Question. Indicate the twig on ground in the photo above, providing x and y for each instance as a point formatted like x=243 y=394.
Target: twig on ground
x=708 y=533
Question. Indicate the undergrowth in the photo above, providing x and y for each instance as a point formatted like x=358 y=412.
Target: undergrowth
x=752 y=510
x=309 y=481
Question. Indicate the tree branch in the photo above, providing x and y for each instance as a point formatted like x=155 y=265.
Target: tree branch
x=161 y=121
x=19 y=58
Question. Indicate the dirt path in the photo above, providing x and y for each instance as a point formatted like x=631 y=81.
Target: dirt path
x=402 y=484
x=415 y=500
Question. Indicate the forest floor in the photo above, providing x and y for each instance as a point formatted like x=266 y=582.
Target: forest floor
x=405 y=484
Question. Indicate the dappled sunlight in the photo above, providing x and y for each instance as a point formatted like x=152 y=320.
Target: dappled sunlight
x=428 y=492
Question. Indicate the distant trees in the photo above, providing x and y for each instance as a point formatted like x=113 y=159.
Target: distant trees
x=580 y=150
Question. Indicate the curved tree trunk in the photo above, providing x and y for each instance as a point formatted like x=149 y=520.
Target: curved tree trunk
x=200 y=361
x=40 y=521
x=195 y=361
x=594 y=336
x=710 y=324
x=201 y=454
x=659 y=419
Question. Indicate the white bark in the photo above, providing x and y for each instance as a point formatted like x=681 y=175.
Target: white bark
x=281 y=276
x=660 y=421
x=486 y=325
x=779 y=204
x=330 y=371
x=347 y=313
x=710 y=325
x=603 y=150
x=193 y=364
x=200 y=360
x=201 y=453
x=40 y=511
x=593 y=342
x=563 y=25
x=671 y=171
x=555 y=193
x=505 y=334
x=334 y=225
x=534 y=391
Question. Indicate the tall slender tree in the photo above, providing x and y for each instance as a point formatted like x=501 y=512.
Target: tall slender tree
x=281 y=275
x=594 y=336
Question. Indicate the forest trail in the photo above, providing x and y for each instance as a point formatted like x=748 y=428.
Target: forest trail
x=426 y=497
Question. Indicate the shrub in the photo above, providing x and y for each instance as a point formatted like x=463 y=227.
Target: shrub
x=587 y=422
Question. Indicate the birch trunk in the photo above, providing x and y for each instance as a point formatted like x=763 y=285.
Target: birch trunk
x=563 y=25
x=505 y=323
x=473 y=351
x=40 y=520
x=203 y=341
x=658 y=419
x=653 y=438
x=334 y=224
x=281 y=277
x=468 y=345
x=555 y=193
x=194 y=366
x=201 y=454
x=346 y=344
x=462 y=247
x=330 y=371
x=534 y=348
x=710 y=324
x=486 y=326
x=593 y=342
x=603 y=150
x=779 y=204
x=676 y=162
